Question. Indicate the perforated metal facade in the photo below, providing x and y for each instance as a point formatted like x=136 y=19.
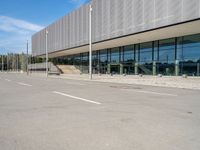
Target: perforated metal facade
x=112 y=19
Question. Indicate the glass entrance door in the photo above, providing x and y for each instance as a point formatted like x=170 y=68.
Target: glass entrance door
x=190 y=68
x=115 y=69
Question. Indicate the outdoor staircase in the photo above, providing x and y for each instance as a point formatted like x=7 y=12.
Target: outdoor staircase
x=41 y=67
x=68 y=69
x=145 y=70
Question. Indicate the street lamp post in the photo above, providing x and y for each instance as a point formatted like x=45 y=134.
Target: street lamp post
x=7 y=63
x=12 y=63
x=31 y=62
x=2 y=65
x=90 y=42
x=27 y=57
x=47 y=53
x=17 y=63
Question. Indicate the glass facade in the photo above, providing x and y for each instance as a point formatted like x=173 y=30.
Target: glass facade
x=103 y=63
x=85 y=62
x=115 y=55
x=166 y=62
x=145 y=58
x=188 y=55
x=174 y=56
x=95 y=62
x=128 y=59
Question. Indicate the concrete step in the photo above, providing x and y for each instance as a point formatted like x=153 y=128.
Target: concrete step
x=69 y=69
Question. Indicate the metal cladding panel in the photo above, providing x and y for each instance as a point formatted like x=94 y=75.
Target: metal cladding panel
x=70 y=31
x=123 y=17
x=148 y=16
x=190 y=9
x=174 y=11
x=112 y=19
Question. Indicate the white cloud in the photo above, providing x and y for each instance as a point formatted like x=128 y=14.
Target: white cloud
x=12 y=24
x=15 y=32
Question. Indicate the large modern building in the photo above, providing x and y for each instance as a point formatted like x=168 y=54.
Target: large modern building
x=128 y=36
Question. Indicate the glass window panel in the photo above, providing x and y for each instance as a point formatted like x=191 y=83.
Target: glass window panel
x=85 y=58
x=167 y=50
x=190 y=49
x=137 y=51
x=188 y=53
x=129 y=54
x=145 y=61
x=103 y=56
x=180 y=48
x=103 y=61
x=156 y=51
x=115 y=55
x=166 y=64
x=95 y=58
x=146 y=51
x=77 y=59
x=69 y=59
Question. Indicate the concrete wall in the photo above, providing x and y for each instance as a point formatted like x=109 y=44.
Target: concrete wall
x=114 y=18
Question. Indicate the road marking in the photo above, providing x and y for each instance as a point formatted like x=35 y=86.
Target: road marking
x=71 y=83
x=74 y=97
x=77 y=84
x=8 y=80
x=156 y=93
x=20 y=83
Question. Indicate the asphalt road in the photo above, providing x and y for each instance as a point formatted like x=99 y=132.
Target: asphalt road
x=38 y=113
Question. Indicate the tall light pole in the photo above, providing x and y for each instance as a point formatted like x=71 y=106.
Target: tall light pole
x=7 y=63
x=12 y=62
x=31 y=62
x=90 y=42
x=27 y=57
x=17 y=63
x=47 y=53
x=2 y=65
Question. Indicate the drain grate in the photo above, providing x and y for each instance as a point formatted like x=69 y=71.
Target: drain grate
x=125 y=87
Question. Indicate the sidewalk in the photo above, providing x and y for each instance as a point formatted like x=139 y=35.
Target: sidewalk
x=166 y=81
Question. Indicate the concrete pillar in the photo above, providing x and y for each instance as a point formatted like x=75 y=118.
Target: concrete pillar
x=198 y=69
x=121 y=68
x=81 y=68
x=177 y=69
x=136 y=68
x=154 y=68
x=98 y=69
x=109 y=69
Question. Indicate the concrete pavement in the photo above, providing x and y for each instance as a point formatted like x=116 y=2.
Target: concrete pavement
x=46 y=113
x=164 y=81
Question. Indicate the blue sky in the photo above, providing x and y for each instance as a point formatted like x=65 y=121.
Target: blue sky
x=19 y=19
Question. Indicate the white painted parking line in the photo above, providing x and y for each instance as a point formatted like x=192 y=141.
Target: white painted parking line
x=8 y=80
x=74 y=97
x=71 y=83
x=24 y=84
x=151 y=92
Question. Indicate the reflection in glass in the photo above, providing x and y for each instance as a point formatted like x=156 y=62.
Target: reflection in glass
x=129 y=54
x=188 y=54
x=103 y=61
x=85 y=63
x=145 y=63
x=115 y=55
x=128 y=59
x=146 y=52
x=166 y=64
x=168 y=57
x=95 y=62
